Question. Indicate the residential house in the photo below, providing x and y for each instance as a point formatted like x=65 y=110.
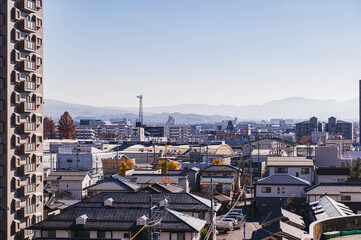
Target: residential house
x=112 y=185
x=332 y=174
x=193 y=176
x=326 y=207
x=111 y=165
x=300 y=167
x=122 y=216
x=222 y=184
x=279 y=190
x=223 y=170
x=149 y=179
x=70 y=184
x=348 y=193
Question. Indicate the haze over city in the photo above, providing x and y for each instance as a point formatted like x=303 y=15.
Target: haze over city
x=204 y=52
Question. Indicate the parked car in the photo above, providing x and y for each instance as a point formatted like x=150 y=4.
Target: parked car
x=235 y=216
x=235 y=222
x=224 y=226
x=237 y=210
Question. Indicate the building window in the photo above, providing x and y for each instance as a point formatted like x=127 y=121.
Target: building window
x=283 y=190
x=345 y=198
x=177 y=236
x=48 y=234
x=105 y=235
x=266 y=190
x=278 y=190
x=305 y=171
x=281 y=170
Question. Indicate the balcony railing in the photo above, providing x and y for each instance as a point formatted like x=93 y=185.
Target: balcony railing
x=28 y=26
x=28 y=148
x=28 y=86
x=28 y=66
x=30 y=188
x=29 y=127
x=28 y=6
x=28 y=106
x=30 y=208
x=28 y=46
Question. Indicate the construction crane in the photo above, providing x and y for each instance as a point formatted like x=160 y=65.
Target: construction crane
x=140 y=118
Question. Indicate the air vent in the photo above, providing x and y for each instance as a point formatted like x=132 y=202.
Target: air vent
x=81 y=220
x=109 y=202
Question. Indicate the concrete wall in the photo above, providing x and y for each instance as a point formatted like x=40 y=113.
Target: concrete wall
x=344 y=223
x=330 y=179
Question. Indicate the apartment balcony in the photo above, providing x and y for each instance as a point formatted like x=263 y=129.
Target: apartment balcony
x=28 y=6
x=27 y=210
x=28 y=127
x=26 y=233
x=27 y=190
x=27 y=26
x=28 y=46
x=27 y=86
x=28 y=107
x=27 y=169
x=28 y=148
x=27 y=66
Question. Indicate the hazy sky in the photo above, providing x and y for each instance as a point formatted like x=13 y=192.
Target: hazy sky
x=106 y=52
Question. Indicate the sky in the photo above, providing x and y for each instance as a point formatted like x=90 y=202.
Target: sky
x=105 y=53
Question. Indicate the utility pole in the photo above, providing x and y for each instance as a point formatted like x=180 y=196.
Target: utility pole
x=258 y=159
x=213 y=227
x=244 y=198
x=77 y=157
x=150 y=216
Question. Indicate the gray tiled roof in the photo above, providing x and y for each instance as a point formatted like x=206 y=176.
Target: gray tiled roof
x=285 y=179
x=220 y=168
x=113 y=184
x=333 y=188
x=66 y=176
x=158 y=178
x=126 y=209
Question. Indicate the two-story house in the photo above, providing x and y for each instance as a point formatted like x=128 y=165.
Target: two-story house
x=299 y=167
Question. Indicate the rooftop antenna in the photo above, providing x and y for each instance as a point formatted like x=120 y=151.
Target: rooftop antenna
x=140 y=118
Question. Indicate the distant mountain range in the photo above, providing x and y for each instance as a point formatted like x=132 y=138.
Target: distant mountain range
x=288 y=108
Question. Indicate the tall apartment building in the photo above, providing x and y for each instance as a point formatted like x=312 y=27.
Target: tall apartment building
x=21 y=108
x=334 y=128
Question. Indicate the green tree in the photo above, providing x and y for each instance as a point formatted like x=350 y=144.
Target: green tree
x=355 y=168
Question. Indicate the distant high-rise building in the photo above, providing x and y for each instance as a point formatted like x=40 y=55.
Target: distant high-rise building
x=21 y=108
x=91 y=122
x=360 y=108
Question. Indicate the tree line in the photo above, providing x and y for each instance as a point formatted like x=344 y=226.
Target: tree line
x=66 y=127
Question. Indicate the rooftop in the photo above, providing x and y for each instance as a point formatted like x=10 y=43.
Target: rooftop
x=67 y=176
x=113 y=184
x=289 y=161
x=326 y=207
x=282 y=180
x=334 y=188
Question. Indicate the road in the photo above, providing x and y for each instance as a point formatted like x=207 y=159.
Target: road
x=238 y=234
